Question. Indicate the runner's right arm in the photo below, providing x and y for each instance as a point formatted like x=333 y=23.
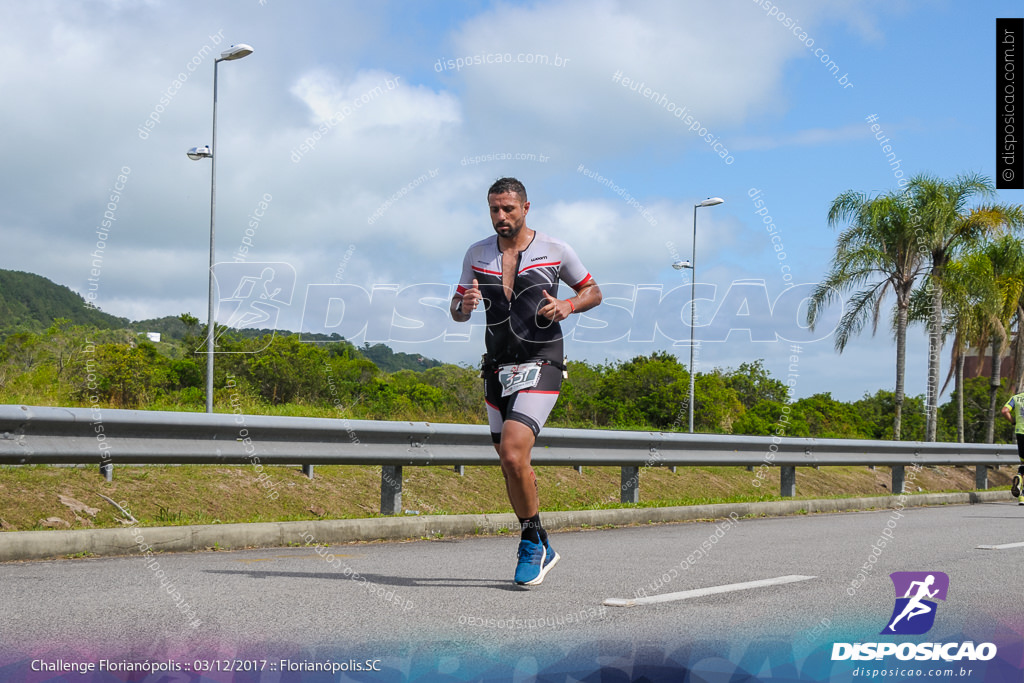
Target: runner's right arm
x=467 y=294
x=1008 y=409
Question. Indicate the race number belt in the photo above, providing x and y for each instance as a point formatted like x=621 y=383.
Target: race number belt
x=518 y=376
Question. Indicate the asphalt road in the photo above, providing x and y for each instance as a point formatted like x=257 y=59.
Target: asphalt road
x=448 y=607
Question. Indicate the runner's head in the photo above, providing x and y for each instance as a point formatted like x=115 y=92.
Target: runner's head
x=503 y=185
x=509 y=206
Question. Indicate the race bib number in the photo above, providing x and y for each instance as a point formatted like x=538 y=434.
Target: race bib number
x=514 y=378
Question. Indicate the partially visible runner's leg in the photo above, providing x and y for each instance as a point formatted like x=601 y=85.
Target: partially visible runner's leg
x=514 y=450
x=522 y=415
x=1017 y=485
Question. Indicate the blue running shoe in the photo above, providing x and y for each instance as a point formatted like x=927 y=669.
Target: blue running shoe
x=529 y=571
x=550 y=559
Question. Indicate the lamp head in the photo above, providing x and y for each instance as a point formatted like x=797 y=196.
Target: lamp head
x=680 y=265
x=197 y=153
x=236 y=52
x=711 y=201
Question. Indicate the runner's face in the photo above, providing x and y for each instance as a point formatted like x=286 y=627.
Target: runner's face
x=508 y=213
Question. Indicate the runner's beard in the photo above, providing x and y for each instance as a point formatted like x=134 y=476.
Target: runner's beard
x=508 y=231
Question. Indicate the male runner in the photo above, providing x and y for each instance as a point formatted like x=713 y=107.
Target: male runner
x=1014 y=412
x=516 y=274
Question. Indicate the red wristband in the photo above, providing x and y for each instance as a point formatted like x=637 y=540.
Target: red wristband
x=571 y=306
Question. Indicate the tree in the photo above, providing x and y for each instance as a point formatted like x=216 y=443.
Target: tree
x=285 y=369
x=578 y=404
x=831 y=419
x=1002 y=260
x=645 y=391
x=771 y=418
x=945 y=225
x=64 y=342
x=753 y=384
x=874 y=256
x=967 y=283
x=716 y=406
x=876 y=411
x=976 y=400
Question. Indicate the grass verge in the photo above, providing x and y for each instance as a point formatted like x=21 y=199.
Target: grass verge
x=49 y=497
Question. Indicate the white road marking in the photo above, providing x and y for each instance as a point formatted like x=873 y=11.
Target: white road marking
x=1000 y=547
x=701 y=592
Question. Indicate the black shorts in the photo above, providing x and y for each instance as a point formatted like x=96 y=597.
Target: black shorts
x=528 y=406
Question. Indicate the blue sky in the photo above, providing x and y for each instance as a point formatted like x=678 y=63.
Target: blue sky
x=388 y=194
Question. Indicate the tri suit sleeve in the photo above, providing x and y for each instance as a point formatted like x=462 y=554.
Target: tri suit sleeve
x=572 y=272
x=466 y=278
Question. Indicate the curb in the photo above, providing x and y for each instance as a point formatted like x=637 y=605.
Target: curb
x=39 y=545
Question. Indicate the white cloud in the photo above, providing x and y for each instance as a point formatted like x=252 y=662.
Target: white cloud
x=388 y=101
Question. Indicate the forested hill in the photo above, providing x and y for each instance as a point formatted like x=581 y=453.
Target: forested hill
x=30 y=302
x=390 y=361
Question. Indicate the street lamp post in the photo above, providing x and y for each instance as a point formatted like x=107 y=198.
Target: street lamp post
x=679 y=265
x=209 y=152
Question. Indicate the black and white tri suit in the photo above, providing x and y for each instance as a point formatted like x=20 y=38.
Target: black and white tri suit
x=516 y=332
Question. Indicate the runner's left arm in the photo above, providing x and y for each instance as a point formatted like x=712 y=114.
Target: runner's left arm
x=574 y=274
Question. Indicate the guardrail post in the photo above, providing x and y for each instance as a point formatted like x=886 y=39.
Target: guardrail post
x=898 y=481
x=107 y=471
x=788 y=481
x=981 y=478
x=460 y=470
x=308 y=470
x=578 y=468
x=630 y=484
x=390 y=490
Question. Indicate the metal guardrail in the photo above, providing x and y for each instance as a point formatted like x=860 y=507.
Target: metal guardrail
x=43 y=435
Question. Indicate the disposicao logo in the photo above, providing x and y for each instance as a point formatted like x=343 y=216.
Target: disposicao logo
x=914 y=612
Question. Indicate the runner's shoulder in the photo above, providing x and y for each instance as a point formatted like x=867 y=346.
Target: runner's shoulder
x=485 y=245
x=540 y=238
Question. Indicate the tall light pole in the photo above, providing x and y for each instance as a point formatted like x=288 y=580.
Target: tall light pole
x=196 y=153
x=679 y=265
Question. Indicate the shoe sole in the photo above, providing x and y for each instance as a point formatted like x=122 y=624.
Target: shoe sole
x=545 y=569
x=540 y=577
x=1015 y=486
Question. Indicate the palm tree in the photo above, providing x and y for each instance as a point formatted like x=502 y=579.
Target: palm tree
x=961 y=298
x=1017 y=349
x=1006 y=257
x=876 y=254
x=981 y=293
x=944 y=224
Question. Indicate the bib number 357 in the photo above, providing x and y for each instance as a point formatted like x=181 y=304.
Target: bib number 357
x=515 y=378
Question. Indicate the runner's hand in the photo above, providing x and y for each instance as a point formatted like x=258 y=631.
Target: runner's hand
x=471 y=299
x=554 y=309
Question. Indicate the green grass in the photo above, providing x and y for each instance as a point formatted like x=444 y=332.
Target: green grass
x=162 y=495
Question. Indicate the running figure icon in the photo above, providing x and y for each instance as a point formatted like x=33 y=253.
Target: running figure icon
x=915 y=607
x=917 y=601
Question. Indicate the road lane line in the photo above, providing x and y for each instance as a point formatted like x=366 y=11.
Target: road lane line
x=701 y=592
x=1000 y=547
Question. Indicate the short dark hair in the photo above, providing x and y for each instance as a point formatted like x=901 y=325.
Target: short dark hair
x=503 y=185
